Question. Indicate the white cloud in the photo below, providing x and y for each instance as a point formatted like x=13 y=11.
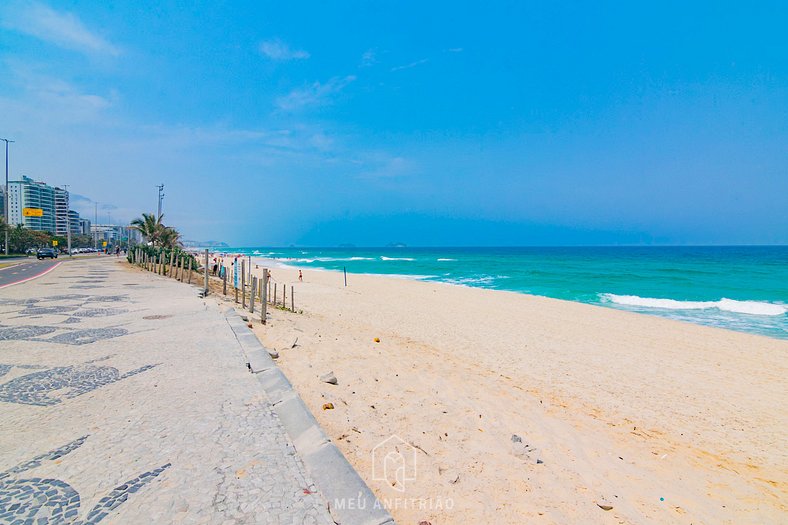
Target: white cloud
x=315 y=95
x=61 y=28
x=53 y=97
x=277 y=50
x=412 y=64
x=381 y=166
x=368 y=58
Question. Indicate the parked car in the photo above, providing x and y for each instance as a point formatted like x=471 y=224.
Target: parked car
x=46 y=252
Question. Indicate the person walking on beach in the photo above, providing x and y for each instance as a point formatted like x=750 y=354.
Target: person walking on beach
x=300 y=276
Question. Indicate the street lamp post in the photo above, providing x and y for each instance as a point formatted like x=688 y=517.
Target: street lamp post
x=68 y=222
x=161 y=198
x=5 y=195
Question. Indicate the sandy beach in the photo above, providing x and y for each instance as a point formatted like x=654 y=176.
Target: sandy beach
x=664 y=421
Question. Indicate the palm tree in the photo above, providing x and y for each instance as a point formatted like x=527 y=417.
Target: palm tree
x=169 y=237
x=149 y=226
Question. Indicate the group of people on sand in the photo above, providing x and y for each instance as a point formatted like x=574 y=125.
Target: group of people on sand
x=219 y=268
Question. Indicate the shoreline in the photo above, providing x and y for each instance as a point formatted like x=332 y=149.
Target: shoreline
x=584 y=384
x=275 y=263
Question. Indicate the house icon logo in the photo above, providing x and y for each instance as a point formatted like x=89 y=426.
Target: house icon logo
x=394 y=461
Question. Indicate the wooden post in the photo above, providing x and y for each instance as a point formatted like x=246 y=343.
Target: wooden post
x=292 y=300
x=235 y=272
x=251 y=295
x=344 y=270
x=172 y=261
x=264 y=296
x=180 y=271
x=243 y=284
x=274 y=297
x=224 y=282
x=190 y=271
x=284 y=295
x=205 y=286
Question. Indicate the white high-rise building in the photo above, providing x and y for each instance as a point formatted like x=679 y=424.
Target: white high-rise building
x=73 y=222
x=61 y=212
x=27 y=193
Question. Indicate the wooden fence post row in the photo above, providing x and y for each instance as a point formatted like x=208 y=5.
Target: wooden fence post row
x=251 y=294
x=243 y=284
x=264 y=295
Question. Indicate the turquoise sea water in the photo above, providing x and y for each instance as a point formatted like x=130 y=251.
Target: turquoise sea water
x=739 y=288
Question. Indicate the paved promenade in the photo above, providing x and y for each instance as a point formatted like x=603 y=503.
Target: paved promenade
x=126 y=399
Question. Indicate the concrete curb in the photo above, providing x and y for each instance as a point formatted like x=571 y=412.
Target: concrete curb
x=350 y=501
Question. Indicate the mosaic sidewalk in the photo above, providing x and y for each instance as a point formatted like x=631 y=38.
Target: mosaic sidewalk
x=125 y=399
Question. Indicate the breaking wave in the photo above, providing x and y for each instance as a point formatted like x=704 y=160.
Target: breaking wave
x=727 y=305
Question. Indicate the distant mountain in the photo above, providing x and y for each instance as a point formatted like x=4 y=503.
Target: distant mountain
x=205 y=244
x=396 y=245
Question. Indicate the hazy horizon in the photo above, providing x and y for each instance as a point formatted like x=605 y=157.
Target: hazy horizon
x=446 y=124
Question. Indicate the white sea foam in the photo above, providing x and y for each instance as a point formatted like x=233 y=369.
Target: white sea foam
x=727 y=305
x=396 y=259
x=332 y=259
x=404 y=276
x=446 y=260
x=470 y=281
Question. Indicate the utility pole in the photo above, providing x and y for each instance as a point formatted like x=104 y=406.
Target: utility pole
x=161 y=198
x=68 y=221
x=5 y=196
x=95 y=227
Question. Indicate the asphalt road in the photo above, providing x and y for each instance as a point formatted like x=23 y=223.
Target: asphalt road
x=25 y=271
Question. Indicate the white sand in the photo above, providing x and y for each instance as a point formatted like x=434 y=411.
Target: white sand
x=623 y=407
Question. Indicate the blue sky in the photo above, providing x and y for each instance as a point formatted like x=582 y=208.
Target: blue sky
x=430 y=123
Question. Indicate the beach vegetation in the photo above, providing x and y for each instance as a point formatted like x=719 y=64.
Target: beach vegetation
x=155 y=232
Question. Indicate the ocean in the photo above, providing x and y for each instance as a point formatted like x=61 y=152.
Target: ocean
x=743 y=288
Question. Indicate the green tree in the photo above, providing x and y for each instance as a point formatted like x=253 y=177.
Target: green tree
x=155 y=232
x=21 y=239
x=149 y=226
x=169 y=237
